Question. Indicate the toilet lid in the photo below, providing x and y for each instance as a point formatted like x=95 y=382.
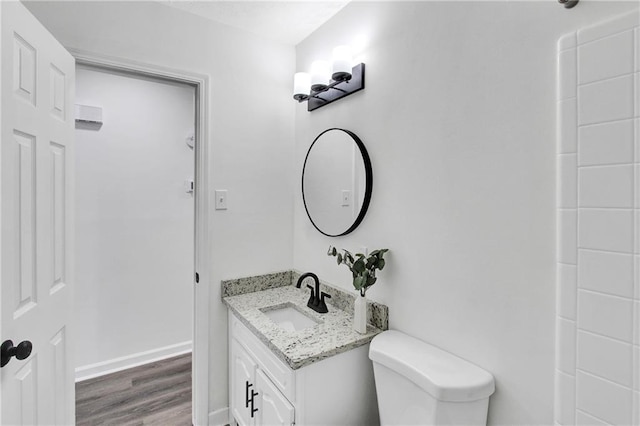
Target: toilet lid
x=444 y=376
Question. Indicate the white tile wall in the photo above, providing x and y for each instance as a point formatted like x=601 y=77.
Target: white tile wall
x=612 y=26
x=636 y=186
x=606 y=186
x=603 y=399
x=605 y=229
x=567 y=224
x=606 y=272
x=606 y=57
x=565 y=398
x=598 y=288
x=583 y=418
x=606 y=100
x=567 y=41
x=636 y=99
x=567 y=69
x=637 y=43
x=608 y=143
x=636 y=358
x=605 y=357
x=636 y=148
x=565 y=345
x=567 y=194
x=606 y=315
x=636 y=242
x=567 y=295
x=567 y=135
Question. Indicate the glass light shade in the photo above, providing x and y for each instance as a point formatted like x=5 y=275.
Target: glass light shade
x=301 y=84
x=319 y=75
x=342 y=61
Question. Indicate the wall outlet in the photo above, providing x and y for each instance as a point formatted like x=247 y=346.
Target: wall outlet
x=346 y=198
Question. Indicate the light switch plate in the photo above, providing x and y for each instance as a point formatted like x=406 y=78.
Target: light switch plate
x=221 y=199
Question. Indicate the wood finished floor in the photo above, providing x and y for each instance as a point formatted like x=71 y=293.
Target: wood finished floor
x=153 y=394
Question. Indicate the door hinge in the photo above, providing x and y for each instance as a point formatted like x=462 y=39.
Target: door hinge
x=197 y=278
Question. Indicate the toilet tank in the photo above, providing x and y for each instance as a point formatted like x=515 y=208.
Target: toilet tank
x=419 y=384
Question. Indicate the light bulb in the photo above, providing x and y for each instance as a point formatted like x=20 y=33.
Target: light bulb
x=342 y=60
x=301 y=86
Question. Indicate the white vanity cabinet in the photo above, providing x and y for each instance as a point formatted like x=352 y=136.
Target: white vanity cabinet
x=264 y=390
x=273 y=408
x=243 y=370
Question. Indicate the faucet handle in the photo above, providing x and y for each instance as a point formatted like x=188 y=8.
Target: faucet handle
x=323 y=295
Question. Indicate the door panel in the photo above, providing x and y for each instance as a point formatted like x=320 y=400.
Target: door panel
x=273 y=408
x=36 y=201
x=243 y=372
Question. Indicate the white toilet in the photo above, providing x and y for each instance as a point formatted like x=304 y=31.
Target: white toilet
x=419 y=384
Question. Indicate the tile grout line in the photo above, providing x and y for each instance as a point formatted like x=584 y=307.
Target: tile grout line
x=602 y=123
x=591 y=415
x=635 y=368
x=601 y=293
x=604 y=379
x=613 y=339
x=608 y=121
x=602 y=80
x=560 y=284
x=618 y=32
x=577 y=224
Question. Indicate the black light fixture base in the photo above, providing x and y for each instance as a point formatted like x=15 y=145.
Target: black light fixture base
x=568 y=4
x=338 y=90
x=341 y=76
x=319 y=87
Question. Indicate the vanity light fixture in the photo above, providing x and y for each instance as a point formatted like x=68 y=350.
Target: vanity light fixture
x=568 y=4
x=327 y=83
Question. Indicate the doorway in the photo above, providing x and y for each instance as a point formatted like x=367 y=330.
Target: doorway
x=135 y=211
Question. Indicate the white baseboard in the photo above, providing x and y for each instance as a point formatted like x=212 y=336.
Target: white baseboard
x=111 y=366
x=219 y=417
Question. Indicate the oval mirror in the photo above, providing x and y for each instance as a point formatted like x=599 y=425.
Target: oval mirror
x=336 y=182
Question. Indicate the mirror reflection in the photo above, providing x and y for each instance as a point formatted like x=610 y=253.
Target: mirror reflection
x=336 y=182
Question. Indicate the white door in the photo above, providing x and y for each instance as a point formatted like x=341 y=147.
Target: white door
x=273 y=408
x=36 y=205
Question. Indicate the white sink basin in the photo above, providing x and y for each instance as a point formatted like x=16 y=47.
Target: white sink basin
x=289 y=318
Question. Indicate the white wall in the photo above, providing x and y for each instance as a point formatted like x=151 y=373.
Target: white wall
x=251 y=130
x=134 y=220
x=598 y=327
x=458 y=116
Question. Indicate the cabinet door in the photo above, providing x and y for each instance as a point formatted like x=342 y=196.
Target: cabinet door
x=273 y=407
x=242 y=381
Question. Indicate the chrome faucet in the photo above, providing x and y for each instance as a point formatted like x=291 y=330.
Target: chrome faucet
x=316 y=300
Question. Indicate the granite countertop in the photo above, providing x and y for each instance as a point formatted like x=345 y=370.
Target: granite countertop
x=332 y=335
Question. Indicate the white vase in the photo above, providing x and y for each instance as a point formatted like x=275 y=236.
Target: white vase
x=360 y=314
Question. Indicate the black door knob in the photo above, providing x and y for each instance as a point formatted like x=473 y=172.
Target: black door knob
x=7 y=350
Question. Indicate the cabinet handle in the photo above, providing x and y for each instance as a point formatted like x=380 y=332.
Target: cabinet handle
x=253 y=410
x=246 y=393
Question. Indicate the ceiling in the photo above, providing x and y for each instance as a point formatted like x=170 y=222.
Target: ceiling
x=287 y=21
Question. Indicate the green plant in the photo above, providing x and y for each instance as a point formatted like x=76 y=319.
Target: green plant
x=362 y=267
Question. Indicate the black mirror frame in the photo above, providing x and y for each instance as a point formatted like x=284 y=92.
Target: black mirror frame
x=368 y=182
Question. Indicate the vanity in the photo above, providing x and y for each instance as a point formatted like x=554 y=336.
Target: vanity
x=290 y=365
